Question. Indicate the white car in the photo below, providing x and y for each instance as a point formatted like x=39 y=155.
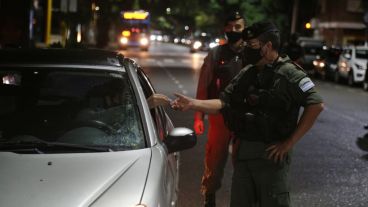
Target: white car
x=76 y=130
x=352 y=65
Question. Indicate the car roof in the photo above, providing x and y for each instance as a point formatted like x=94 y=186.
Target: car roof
x=61 y=57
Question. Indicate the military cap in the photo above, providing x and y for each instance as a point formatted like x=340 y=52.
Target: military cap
x=257 y=29
x=233 y=16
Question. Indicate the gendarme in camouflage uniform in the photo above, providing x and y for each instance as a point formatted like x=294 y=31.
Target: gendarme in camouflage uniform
x=281 y=89
x=261 y=106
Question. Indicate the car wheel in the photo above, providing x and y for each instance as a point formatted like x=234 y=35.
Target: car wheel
x=351 y=79
x=336 y=77
x=365 y=85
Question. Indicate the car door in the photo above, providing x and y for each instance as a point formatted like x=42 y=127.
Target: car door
x=163 y=126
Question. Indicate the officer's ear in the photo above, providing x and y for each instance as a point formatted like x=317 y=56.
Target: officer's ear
x=269 y=45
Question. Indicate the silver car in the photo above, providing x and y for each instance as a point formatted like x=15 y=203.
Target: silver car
x=76 y=130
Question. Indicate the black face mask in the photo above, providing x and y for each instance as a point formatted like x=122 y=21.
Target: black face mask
x=252 y=55
x=233 y=37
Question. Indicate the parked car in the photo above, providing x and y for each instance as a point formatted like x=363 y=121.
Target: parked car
x=76 y=130
x=352 y=64
x=326 y=64
x=202 y=43
x=365 y=82
x=312 y=49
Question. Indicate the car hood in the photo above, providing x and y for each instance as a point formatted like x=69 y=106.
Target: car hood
x=81 y=179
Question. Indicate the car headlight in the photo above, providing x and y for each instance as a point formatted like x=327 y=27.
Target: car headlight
x=123 y=40
x=321 y=64
x=153 y=37
x=344 y=67
x=144 y=41
x=197 y=45
x=315 y=62
x=213 y=44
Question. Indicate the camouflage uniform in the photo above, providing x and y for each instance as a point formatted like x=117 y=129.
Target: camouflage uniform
x=262 y=107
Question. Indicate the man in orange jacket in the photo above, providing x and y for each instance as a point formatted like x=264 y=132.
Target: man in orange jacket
x=220 y=65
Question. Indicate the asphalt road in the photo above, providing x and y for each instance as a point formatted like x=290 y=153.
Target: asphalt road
x=327 y=167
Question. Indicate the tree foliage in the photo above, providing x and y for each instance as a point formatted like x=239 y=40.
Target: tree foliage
x=209 y=15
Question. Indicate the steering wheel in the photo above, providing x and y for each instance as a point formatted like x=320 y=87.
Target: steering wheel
x=95 y=124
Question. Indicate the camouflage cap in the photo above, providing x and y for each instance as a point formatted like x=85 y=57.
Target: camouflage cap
x=257 y=29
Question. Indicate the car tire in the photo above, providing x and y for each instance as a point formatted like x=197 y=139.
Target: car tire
x=351 y=79
x=336 y=77
x=365 y=85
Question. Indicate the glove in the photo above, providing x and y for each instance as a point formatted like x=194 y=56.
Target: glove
x=198 y=126
x=198 y=123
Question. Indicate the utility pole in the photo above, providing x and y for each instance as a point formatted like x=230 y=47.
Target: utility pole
x=294 y=16
x=48 y=22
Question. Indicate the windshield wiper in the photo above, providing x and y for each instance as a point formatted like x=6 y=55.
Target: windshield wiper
x=37 y=145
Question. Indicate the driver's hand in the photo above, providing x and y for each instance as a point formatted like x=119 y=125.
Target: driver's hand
x=157 y=100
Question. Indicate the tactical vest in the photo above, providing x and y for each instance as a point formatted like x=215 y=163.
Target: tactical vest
x=227 y=64
x=267 y=121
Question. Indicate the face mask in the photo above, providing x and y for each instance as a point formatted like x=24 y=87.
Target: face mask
x=233 y=37
x=252 y=55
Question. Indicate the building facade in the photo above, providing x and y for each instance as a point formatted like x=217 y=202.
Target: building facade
x=341 y=22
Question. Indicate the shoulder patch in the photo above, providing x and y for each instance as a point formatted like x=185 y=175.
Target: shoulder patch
x=305 y=84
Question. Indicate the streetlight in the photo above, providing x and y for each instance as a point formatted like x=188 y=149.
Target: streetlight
x=168 y=10
x=186 y=28
x=308 y=25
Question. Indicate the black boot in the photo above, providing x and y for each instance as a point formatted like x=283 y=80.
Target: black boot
x=210 y=200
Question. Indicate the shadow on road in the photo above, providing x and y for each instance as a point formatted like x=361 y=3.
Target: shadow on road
x=362 y=143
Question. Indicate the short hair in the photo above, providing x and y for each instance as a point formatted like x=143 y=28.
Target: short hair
x=273 y=37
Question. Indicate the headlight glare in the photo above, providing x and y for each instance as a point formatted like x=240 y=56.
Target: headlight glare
x=123 y=40
x=197 y=45
x=144 y=41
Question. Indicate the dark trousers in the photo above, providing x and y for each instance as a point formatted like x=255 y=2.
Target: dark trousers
x=260 y=182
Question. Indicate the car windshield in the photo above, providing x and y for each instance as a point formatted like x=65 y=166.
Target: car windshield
x=362 y=54
x=331 y=55
x=204 y=38
x=312 y=49
x=92 y=108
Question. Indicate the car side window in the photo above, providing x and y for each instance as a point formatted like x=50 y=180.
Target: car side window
x=156 y=113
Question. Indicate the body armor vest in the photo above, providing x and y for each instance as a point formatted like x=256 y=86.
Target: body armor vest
x=227 y=64
x=270 y=118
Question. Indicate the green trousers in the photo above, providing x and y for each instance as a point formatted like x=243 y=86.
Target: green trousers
x=260 y=182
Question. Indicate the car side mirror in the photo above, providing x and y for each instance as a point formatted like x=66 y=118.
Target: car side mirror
x=179 y=139
x=347 y=56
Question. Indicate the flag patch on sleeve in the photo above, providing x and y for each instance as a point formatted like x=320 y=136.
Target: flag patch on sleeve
x=305 y=84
